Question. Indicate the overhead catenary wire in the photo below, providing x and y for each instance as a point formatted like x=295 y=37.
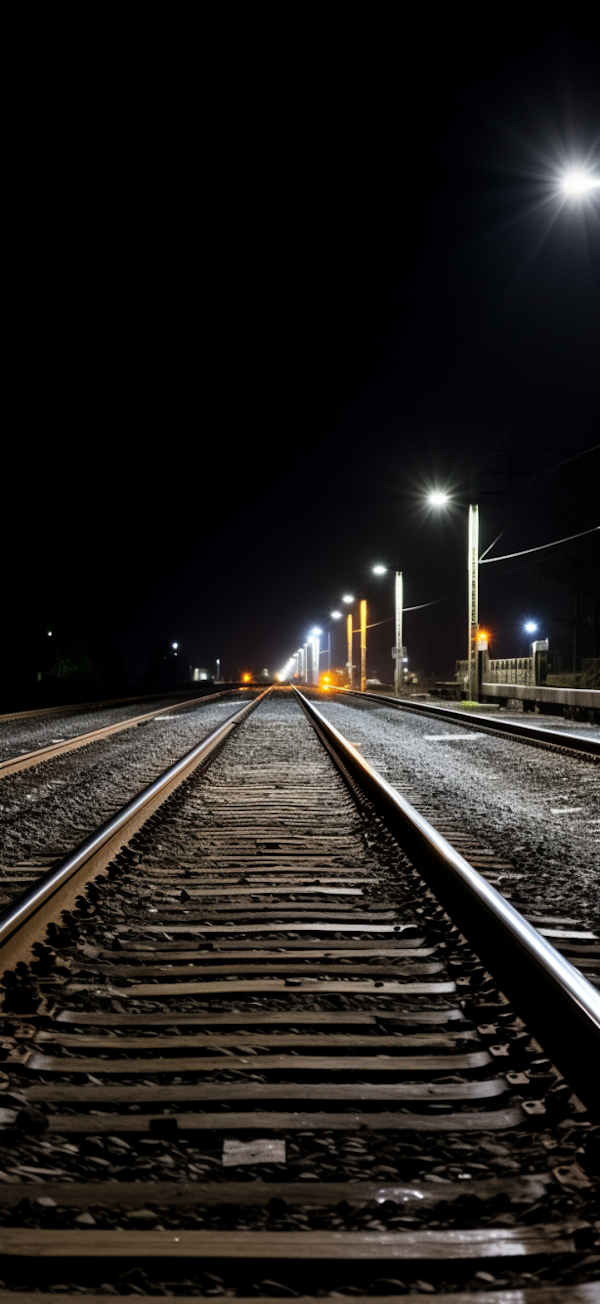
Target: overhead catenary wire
x=514 y=508
x=420 y=607
x=484 y=561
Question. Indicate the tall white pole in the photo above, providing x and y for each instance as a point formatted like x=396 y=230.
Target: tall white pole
x=473 y=584
x=363 y=645
x=399 y=604
x=316 y=659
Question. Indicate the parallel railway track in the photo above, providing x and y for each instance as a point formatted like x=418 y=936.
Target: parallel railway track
x=535 y=735
x=25 y=760
x=256 y=1056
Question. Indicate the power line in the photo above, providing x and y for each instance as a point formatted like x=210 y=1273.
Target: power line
x=484 y=561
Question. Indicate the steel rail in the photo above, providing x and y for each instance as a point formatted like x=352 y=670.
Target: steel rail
x=25 y=760
x=525 y=732
x=108 y=701
x=559 y=1006
x=20 y=911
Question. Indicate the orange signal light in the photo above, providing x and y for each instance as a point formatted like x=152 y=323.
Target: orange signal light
x=246 y=679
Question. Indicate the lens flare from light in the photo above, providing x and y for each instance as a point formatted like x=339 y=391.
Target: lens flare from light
x=579 y=183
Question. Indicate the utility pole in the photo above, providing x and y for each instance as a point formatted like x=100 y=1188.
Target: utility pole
x=399 y=664
x=316 y=645
x=473 y=587
x=363 y=644
x=349 y=661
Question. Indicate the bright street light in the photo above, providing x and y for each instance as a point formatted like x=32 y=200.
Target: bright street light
x=379 y=570
x=438 y=498
x=336 y=615
x=530 y=627
x=347 y=598
x=316 y=631
x=579 y=183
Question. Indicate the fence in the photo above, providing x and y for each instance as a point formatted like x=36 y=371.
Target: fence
x=511 y=670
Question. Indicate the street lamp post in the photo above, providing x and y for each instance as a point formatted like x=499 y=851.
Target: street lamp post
x=348 y=598
x=473 y=589
x=440 y=499
x=335 y=615
x=397 y=651
x=398 y=609
x=316 y=654
x=363 y=644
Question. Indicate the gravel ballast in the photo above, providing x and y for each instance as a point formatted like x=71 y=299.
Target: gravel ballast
x=538 y=807
x=30 y=733
x=48 y=810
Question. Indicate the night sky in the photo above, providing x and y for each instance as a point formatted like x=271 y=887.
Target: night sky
x=269 y=295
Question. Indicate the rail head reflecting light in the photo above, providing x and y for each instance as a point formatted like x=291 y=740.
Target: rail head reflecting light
x=560 y=1006
x=23 y=907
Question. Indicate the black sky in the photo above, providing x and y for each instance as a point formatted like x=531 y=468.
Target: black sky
x=275 y=281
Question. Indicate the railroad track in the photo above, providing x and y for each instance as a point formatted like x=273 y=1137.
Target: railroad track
x=247 y=1051
x=46 y=752
x=570 y=924
x=562 y=740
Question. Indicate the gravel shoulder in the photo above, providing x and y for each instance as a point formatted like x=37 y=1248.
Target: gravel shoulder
x=48 y=810
x=539 y=808
x=27 y=735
